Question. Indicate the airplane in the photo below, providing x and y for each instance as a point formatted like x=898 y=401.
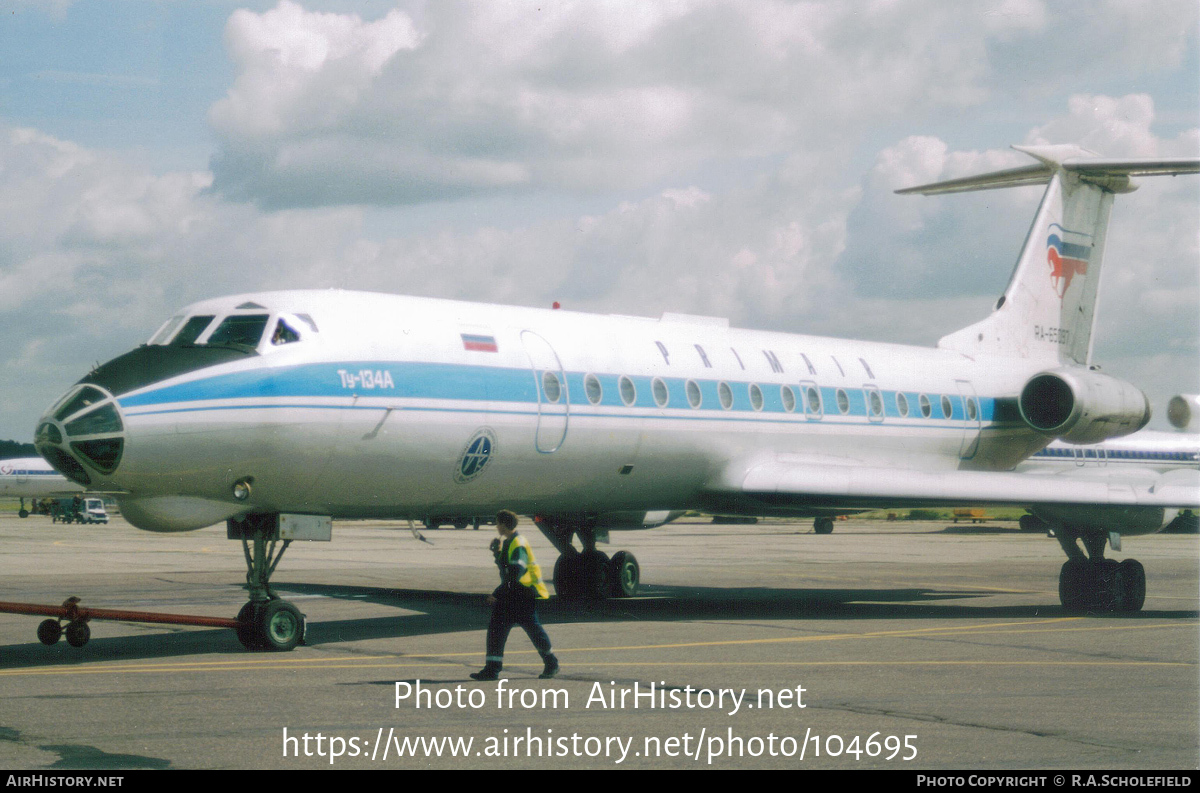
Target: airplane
x=276 y=412
x=33 y=478
x=1153 y=449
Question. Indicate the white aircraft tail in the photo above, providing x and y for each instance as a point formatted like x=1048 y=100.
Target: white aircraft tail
x=1047 y=310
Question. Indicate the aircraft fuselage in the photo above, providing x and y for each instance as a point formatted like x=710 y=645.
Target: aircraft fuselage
x=394 y=406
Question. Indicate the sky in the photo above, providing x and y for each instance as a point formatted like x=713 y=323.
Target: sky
x=723 y=158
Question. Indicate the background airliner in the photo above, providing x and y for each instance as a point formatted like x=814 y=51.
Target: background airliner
x=279 y=411
x=1162 y=451
x=33 y=478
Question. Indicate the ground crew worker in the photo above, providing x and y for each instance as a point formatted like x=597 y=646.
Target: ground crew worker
x=515 y=601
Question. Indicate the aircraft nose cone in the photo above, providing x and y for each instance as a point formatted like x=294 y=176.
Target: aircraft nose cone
x=82 y=434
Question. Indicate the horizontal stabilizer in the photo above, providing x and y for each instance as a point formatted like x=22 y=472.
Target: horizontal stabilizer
x=1109 y=173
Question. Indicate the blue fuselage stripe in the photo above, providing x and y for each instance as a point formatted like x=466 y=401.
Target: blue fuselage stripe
x=465 y=383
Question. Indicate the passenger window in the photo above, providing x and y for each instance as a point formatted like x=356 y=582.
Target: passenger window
x=192 y=330
x=902 y=404
x=925 y=409
x=789 y=398
x=693 y=394
x=591 y=385
x=661 y=395
x=814 y=400
x=239 y=329
x=284 y=334
x=843 y=401
x=725 y=395
x=551 y=386
x=628 y=391
x=756 y=397
x=876 y=403
x=947 y=409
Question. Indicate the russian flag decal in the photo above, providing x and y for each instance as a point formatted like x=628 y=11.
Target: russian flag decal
x=478 y=343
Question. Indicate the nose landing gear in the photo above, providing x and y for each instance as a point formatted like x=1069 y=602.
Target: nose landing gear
x=265 y=623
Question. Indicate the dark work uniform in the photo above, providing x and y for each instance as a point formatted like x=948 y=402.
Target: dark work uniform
x=516 y=600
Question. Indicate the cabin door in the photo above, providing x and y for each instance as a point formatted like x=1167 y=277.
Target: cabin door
x=973 y=421
x=550 y=384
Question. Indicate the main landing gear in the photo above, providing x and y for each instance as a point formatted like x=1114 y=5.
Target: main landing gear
x=265 y=622
x=588 y=574
x=1092 y=583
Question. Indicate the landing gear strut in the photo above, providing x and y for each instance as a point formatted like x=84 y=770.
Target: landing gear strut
x=588 y=574
x=1092 y=583
x=265 y=622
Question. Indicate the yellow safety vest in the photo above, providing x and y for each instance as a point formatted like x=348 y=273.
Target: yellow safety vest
x=532 y=577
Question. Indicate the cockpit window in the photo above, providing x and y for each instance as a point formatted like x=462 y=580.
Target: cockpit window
x=167 y=329
x=284 y=334
x=192 y=330
x=241 y=329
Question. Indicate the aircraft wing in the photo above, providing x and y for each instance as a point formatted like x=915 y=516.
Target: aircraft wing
x=791 y=487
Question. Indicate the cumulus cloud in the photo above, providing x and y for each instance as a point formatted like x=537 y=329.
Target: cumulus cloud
x=476 y=97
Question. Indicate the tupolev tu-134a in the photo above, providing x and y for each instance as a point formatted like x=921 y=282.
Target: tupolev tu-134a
x=279 y=411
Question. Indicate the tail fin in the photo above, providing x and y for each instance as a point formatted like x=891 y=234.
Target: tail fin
x=1047 y=310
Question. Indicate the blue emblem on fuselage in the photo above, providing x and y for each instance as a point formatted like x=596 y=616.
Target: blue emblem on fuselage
x=475 y=455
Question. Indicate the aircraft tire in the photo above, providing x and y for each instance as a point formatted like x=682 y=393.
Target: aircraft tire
x=23 y=513
x=823 y=525
x=1109 y=586
x=247 y=618
x=77 y=633
x=280 y=626
x=595 y=575
x=1075 y=583
x=624 y=574
x=566 y=575
x=49 y=632
x=1134 y=585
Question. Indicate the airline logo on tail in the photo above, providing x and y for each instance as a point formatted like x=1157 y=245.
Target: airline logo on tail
x=1067 y=253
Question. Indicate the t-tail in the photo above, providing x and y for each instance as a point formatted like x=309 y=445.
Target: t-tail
x=1047 y=312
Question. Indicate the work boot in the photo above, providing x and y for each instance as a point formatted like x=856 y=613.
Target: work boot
x=490 y=671
x=551 y=668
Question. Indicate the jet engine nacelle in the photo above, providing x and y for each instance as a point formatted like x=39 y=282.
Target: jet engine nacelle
x=1083 y=406
x=1183 y=411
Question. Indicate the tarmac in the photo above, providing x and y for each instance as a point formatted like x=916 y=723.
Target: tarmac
x=901 y=645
